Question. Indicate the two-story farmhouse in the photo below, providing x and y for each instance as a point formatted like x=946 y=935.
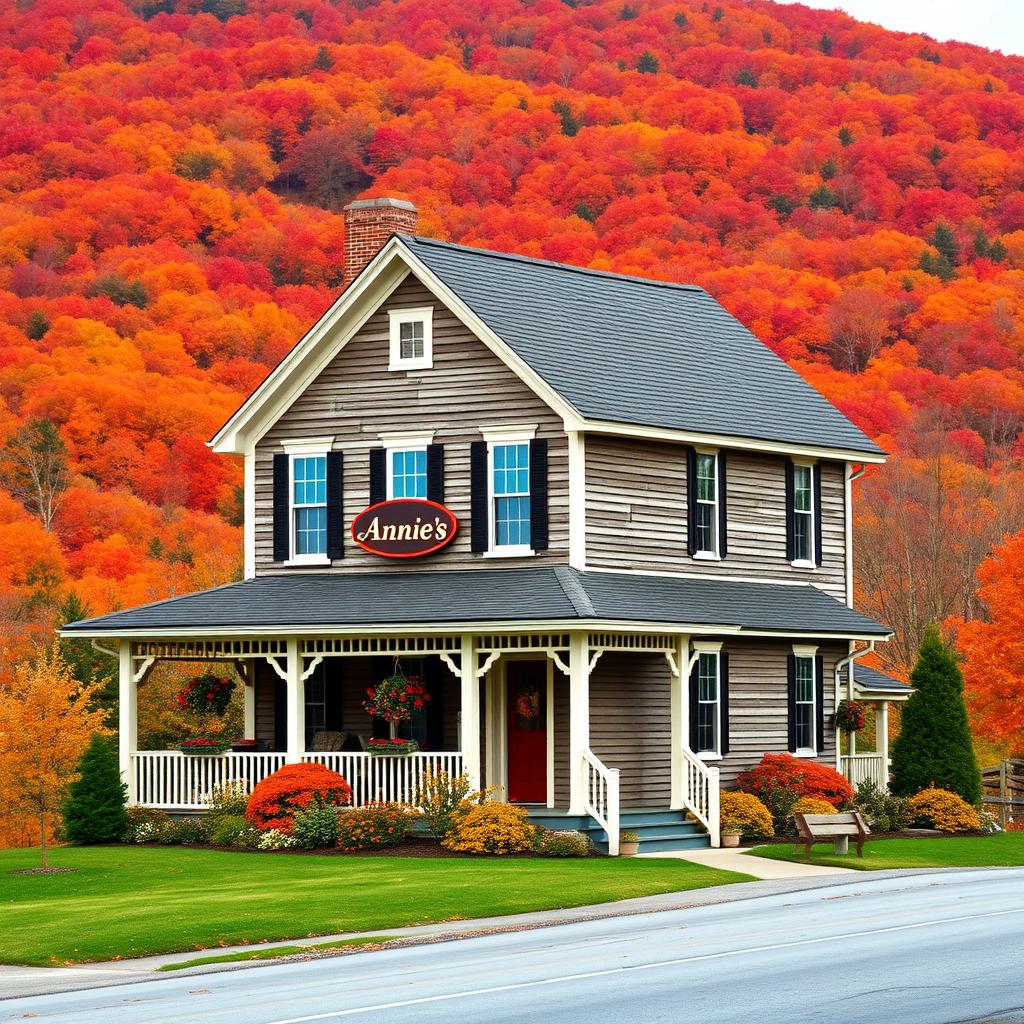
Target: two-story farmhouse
x=607 y=527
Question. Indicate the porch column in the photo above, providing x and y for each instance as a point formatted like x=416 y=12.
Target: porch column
x=128 y=717
x=679 y=711
x=470 y=689
x=296 y=706
x=249 y=694
x=882 y=741
x=579 y=718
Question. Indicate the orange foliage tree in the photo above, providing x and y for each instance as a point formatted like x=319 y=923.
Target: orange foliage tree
x=46 y=719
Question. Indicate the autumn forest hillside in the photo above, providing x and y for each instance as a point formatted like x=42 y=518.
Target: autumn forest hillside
x=171 y=178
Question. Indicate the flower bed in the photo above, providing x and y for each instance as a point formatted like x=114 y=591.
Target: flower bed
x=392 y=746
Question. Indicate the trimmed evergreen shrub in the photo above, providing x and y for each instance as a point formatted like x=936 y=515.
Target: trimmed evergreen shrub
x=883 y=811
x=94 y=811
x=934 y=745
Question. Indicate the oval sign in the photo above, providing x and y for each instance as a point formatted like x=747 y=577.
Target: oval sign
x=404 y=528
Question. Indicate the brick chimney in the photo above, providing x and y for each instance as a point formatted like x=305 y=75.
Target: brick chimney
x=369 y=223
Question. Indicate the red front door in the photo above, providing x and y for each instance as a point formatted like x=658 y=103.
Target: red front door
x=527 y=685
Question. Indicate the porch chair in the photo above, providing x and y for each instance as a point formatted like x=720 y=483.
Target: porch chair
x=326 y=740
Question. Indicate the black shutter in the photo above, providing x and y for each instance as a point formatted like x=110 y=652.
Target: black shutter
x=435 y=473
x=723 y=511
x=791 y=702
x=816 y=484
x=478 y=496
x=539 y=494
x=378 y=475
x=281 y=538
x=335 y=510
x=723 y=701
x=790 y=514
x=693 y=705
x=819 y=700
x=333 y=669
x=280 y=715
x=691 y=500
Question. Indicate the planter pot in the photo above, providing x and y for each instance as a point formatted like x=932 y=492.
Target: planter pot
x=393 y=749
x=629 y=849
x=730 y=839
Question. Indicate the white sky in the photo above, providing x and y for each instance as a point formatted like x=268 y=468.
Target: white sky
x=997 y=24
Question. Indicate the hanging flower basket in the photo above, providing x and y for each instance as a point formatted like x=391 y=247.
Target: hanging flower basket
x=203 y=745
x=850 y=716
x=208 y=694
x=378 y=747
x=396 y=698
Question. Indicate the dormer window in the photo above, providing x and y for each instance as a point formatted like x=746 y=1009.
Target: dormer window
x=411 y=345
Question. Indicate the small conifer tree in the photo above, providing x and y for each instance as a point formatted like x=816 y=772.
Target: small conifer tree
x=94 y=811
x=934 y=745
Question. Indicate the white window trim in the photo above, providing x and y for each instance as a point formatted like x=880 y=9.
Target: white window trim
x=711 y=647
x=402 y=441
x=417 y=314
x=807 y=563
x=502 y=435
x=810 y=651
x=302 y=448
x=716 y=554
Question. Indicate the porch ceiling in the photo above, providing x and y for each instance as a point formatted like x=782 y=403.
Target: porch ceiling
x=305 y=602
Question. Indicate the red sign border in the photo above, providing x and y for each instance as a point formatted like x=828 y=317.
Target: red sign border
x=410 y=554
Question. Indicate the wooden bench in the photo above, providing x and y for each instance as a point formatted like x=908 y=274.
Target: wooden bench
x=838 y=827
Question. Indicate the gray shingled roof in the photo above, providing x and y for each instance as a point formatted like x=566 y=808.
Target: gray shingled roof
x=490 y=595
x=642 y=352
x=871 y=679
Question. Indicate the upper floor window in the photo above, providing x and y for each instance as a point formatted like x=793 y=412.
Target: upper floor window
x=803 y=514
x=309 y=506
x=707 y=504
x=408 y=473
x=511 y=485
x=411 y=338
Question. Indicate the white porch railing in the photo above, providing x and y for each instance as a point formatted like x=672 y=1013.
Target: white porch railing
x=171 y=780
x=701 y=794
x=859 y=767
x=601 y=797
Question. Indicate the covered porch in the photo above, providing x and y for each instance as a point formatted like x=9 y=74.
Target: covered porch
x=513 y=711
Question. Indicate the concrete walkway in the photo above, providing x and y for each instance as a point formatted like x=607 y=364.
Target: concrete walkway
x=760 y=867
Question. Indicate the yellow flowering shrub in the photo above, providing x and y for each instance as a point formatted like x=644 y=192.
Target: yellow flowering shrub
x=938 y=808
x=745 y=813
x=491 y=828
x=812 y=805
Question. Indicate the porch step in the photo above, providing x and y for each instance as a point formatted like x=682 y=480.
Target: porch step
x=660 y=831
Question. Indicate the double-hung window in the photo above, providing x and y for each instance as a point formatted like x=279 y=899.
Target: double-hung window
x=407 y=473
x=309 y=507
x=803 y=514
x=804 y=704
x=511 y=486
x=708 y=710
x=411 y=338
x=707 y=504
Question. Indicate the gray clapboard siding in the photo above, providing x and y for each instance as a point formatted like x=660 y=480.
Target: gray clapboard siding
x=356 y=398
x=630 y=725
x=758 y=704
x=636 y=514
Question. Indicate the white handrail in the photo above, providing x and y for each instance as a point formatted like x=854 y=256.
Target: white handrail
x=601 y=797
x=172 y=780
x=701 y=794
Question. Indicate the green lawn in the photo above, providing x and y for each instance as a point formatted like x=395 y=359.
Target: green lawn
x=1004 y=850
x=130 y=901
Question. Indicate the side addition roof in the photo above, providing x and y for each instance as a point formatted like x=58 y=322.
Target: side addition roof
x=312 y=602
x=636 y=351
x=871 y=682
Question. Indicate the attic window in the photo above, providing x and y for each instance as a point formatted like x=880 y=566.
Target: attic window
x=411 y=338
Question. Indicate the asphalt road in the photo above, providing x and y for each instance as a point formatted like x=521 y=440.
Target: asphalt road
x=925 y=949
